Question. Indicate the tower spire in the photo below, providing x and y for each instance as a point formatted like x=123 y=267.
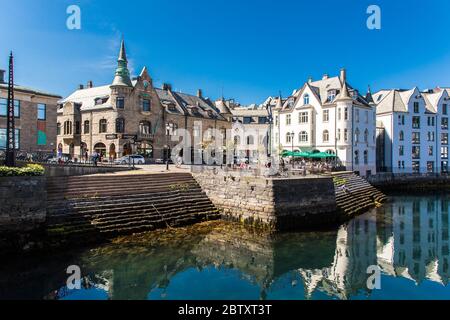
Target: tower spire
x=122 y=75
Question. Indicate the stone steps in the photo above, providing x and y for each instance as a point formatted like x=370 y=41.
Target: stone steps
x=360 y=197
x=98 y=207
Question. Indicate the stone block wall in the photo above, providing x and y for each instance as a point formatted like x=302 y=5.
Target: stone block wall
x=281 y=204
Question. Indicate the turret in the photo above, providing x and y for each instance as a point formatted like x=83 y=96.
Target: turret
x=122 y=76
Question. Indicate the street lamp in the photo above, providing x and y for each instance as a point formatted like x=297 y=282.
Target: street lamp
x=292 y=140
x=168 y=127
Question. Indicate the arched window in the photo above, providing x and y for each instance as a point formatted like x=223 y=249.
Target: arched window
x=250 y=140
x=326 y=136
x=401 y=136
x=288 y=137
x=366 y=136
x=103 y=126
x=87 y=127
x=366 y=157
x=58 y=129
x=145 y=127
x=356 y=157
x=303 y=136
x=237 y=140
x=306 y=99
x=120 y=125
x=357 y=135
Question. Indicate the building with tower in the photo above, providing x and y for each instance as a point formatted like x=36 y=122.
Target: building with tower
x=131 y=116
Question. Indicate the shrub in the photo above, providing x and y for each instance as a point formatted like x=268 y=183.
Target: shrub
x=28 y=170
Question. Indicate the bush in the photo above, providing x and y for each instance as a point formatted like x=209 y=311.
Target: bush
x=29 y=170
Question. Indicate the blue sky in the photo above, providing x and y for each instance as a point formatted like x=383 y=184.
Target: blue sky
x=246 y=49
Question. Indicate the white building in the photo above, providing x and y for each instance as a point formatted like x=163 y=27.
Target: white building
x=412 y=130
x=330 y=116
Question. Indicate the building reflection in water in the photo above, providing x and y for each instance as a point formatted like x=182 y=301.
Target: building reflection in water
x=408 y=238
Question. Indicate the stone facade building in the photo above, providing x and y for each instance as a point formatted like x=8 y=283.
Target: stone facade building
x=35 y=120
x=131 y=116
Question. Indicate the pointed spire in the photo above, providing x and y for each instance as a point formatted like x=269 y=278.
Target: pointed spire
x=122 y=76
x=343 y=95
x=279 y=104
x=369 y=97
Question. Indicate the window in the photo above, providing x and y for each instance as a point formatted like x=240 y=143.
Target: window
x=77 y=127
x=263 y=120
x=366 y=116
x=430 y=121
x=416 y=107
x=401 y=150
x=306 y=99
x=346 y=113
x=444 y=109
x=58 y=129
x=339 y=113
x=401 y=119
x=3 y=138
x=250 y=140
x=430 y=150
x=276 y=120
x=145 y=128
x=357 y=135
x=401 y=136
x=247 y=120
x=366 y=136
x=120 y=102
x=345 y=134
x=326 y=136
x=303 y=117
x=68 y=128
x=416 y=152
x=366 y=157
x=338 y=135
x=103 y=126
x=416 y=122
x=288 y=138
x=416 y=166
x=430 y=136
x=87 y=127
x=430 y=166
x=120 y=125
x=326 y=115
x=444 y=138
x=331 y=95
x=357 y=115
x=146 y=105
x=444 y=152
x=41 y=111
x=356 y=157
x=444 y=166
x=303 y=136
x=4 y=108
x=288 y=119
x=416 y=137
x=444 y=123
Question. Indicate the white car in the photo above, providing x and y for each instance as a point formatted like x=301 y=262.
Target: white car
x=136 y=159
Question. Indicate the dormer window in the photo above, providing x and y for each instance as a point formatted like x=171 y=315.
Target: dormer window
x=146 y=107
x=98 y=101
x=331 y=95
x=355 y=94
x=306 y=99
x=172 y=107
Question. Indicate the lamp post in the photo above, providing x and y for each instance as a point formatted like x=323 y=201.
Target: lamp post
x=10 y=125
x=168 y=127
x=292 y=140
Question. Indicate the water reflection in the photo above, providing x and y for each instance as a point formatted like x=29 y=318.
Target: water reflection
x=408 y=239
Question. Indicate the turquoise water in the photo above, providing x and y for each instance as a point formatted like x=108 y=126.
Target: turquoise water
x=407 y=240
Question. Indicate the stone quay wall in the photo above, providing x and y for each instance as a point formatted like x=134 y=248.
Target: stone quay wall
x=410 y=182
x=22 y=211
x=276 y=203
x=55 y=170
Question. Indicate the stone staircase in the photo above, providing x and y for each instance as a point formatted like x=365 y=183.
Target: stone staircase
x=93 y=208
x=358 y=195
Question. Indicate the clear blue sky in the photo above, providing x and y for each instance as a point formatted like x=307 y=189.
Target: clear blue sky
x=249 y=49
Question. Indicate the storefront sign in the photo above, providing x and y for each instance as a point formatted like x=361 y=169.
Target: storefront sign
x=111 y=136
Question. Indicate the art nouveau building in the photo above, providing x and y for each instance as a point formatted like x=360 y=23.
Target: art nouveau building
x=412 y=130
x=132 y=116
x=330 y=116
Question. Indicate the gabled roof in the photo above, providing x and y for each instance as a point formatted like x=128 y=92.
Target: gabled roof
x=4 y=86
x=86 y=97
x=389 y=101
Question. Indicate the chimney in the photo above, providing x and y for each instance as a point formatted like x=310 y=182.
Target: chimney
x=90 y=84
x=2 y=76
x=167 y=87
x=81 y=87
x=325 y=76
x=199 y=93
x=343 y=75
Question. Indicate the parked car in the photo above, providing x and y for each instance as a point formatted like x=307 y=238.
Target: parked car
x=162 y=161
x=136 y=159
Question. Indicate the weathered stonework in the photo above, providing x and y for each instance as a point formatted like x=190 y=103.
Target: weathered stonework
x=277 y=203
